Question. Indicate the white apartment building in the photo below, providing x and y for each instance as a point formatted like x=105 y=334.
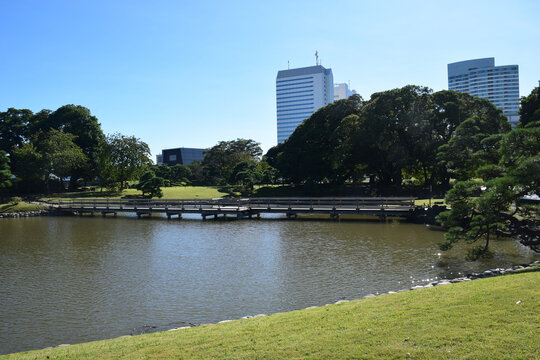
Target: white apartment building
x=480 y=77
x=299 y=93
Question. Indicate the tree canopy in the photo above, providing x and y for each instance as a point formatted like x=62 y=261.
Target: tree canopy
x=220 y=160
x=126 y=158
x=496 y=203
x=401 y=132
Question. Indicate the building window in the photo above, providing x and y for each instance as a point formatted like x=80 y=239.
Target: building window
x=172 y=157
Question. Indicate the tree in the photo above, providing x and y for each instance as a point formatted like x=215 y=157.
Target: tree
x=245 y=173
x=309 y=154
x=180 y=173
x=220 y=160
x=150 y=185
x=60 y=155
x=474 y=140
x=5 y=173
x=14 y=128
x=384 y=141
x=481 y=209
x=77 y=120
x=125 y=158
x=27 y=166
x=45 y=156
x=530 y=109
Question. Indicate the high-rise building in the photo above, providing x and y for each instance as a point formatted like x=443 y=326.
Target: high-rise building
x=480 y=77
x=342 y=91
x=299 y=93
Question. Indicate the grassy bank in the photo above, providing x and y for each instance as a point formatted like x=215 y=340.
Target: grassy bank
x=492 y=318
x=22 y=206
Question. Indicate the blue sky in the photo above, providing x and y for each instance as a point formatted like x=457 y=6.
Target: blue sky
x=192 y=73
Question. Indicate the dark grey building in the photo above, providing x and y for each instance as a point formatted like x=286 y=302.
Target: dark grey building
x=184 y=156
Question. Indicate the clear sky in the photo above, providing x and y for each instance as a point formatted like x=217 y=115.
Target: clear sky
x=192 y=73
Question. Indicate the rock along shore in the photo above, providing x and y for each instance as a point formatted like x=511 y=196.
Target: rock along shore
x=26 y=214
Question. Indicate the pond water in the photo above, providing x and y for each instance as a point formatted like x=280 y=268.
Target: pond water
x=71 y=279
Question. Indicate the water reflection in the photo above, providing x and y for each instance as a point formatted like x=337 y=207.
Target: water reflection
x=69 y=280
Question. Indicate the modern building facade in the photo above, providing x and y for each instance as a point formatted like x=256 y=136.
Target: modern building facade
x=342 y=91
x=480 y=77
x=184 y=156
x=299 y=93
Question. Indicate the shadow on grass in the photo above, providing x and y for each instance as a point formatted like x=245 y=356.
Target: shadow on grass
x=6 y=207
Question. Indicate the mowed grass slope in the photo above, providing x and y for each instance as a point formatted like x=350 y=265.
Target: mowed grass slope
x=19 y=207
x=495 y=318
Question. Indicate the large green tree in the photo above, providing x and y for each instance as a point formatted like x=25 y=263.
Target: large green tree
x=220 y=160
x=125 y=158
x=45 y=156
x=77 y=120
x=60 y=155
x=497 y=204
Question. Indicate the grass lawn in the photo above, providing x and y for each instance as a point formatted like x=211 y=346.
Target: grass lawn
x=20 y=207
x=494 y=318
x=425 y=202
x=174 y=192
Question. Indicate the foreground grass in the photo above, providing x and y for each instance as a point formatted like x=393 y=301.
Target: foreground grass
x=491 y=318
x=20 y=207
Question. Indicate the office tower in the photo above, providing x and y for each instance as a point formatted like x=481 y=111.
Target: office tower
x=342 y=91
x=299 y=93
x=480 y=77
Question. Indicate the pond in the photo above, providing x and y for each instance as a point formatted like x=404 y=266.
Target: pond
x=77 y=279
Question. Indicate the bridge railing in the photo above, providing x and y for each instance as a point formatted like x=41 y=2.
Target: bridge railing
x=324 y=202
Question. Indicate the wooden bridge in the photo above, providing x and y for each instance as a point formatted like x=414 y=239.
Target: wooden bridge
x=381 y=207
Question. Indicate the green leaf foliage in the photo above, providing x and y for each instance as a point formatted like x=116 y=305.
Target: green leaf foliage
x=5 y=173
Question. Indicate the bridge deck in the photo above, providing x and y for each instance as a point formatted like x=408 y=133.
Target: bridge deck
x=243 y=207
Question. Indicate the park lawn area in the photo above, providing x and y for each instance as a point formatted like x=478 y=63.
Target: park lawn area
x=425 y=202
x=183 y=192
x=492 y=318
x=20 y=207
x=174 y=192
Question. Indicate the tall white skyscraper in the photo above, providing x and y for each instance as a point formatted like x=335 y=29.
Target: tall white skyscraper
x=299 y=93
x=342 y=91
x=480 y=77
